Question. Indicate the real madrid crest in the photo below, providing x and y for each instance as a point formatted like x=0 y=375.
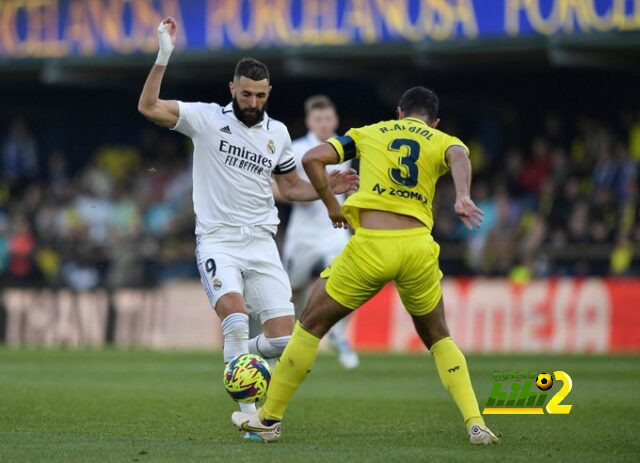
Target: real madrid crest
x=271 y=147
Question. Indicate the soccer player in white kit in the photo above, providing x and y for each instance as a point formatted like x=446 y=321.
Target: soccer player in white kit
x=311 y=242
x=238 y=150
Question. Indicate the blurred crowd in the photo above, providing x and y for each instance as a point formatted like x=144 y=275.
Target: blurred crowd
x=123 y=219
x=561 y=201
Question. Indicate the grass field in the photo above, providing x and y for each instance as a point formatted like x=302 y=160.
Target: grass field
x=169 y=406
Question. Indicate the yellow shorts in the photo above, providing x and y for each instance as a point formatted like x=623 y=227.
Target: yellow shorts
x=375 y=257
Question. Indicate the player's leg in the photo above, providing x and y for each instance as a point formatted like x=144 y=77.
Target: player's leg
x=305 y=263
x=268 y=295
x=453 y=371
x=222 y=281
x=353 y=277
x=421 y=293
x=276 y=333
x=319 y=315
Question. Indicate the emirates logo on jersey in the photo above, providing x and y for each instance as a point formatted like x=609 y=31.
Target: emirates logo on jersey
x=271 y=147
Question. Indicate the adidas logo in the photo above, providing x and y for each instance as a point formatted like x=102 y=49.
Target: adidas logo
x=226 y=129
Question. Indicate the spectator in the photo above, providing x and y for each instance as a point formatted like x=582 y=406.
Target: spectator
x=19 y=154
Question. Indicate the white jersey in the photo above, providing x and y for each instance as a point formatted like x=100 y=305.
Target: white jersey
x=309 y=221
x=233 y=166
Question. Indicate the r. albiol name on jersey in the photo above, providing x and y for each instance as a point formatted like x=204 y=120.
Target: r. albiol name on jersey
x=242 y=158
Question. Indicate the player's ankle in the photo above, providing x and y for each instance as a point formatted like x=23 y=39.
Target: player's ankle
x=474 y=421
x=267 y=420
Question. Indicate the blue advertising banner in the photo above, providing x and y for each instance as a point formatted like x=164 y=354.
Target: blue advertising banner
x=55 y=28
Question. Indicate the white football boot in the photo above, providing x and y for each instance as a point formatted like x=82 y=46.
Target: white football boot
x=481 y=435
x=250 y=422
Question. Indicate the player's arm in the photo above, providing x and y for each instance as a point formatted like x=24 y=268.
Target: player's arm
x=162 y=112
x=314 y=163
x=276 y=193
x=458 y=161
x=291 y=187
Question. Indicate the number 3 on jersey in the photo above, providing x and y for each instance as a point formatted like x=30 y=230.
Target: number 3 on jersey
x=397 y=174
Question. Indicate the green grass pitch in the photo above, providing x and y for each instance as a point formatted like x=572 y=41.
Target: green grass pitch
x=145 y=406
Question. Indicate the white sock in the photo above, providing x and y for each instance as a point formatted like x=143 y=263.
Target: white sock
x=247 y=408
x=268 y=348
x=235 y=328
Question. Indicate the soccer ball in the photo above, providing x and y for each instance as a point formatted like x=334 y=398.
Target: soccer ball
x=246 y=378
x=544 y=381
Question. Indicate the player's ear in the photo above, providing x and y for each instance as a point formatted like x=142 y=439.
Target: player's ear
x=232 y=88
x=435 y=123
x=399 y=112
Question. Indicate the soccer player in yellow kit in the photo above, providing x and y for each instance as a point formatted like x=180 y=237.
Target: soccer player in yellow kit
x=400 y=163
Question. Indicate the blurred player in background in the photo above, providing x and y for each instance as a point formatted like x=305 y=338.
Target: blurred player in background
x=238 y=150
x=400 y=163
x=311 y=243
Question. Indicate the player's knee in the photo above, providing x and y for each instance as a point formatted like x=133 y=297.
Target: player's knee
x=313 y=321
x=269 y=347
x=229 y=304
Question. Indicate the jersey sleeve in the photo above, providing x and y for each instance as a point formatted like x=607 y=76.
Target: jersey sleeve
x=346 y=146
x=447 y=143
x=286 y=162
x=192 y=118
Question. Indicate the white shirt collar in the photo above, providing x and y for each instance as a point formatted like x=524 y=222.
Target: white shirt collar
x=264 y=123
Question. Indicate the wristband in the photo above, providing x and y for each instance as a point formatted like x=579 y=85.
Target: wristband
x=166 y=47
x=163 y=57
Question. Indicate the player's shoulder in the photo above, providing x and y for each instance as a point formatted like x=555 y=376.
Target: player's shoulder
x=203 y=106
x=376 y=126
x=370 y=130
x=204 y=110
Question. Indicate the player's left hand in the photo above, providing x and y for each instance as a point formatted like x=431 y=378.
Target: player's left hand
x=337 y=219
x=344 y=181
x=470 y=214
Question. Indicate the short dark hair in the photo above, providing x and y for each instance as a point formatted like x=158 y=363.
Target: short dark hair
x=419 y=101
x=317 y=102
x=251 y=69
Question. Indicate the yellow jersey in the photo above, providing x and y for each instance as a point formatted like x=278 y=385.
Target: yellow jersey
x=400 y=163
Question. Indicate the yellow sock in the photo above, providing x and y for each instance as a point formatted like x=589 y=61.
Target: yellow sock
x=291 y=369
x=452 y=368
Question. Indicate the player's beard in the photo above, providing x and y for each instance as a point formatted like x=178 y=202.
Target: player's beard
x=247 y=116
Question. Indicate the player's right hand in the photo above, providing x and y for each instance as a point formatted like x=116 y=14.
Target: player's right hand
x=167 y=34
x=337 y=219
x=468 y=212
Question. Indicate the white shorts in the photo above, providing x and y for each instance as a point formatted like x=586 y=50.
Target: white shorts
x=305 y=260
x=245 y=260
